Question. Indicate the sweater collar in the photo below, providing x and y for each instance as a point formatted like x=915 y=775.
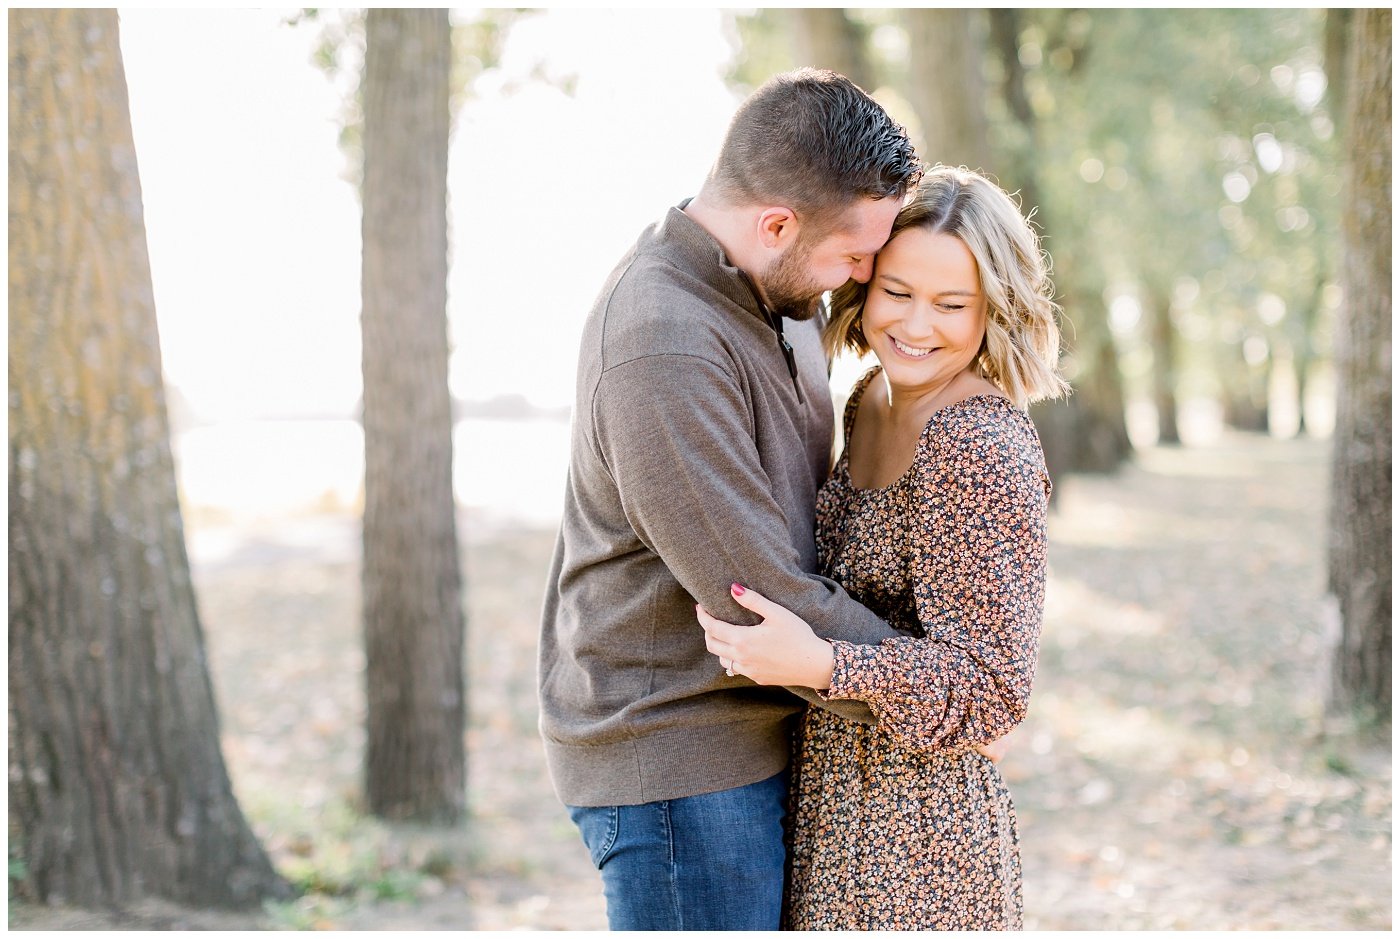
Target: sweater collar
x=695 y=249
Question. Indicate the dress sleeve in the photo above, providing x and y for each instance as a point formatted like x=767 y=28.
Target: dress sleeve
x=978 y=563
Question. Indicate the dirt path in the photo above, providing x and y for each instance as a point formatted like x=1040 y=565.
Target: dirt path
x=1171 y=775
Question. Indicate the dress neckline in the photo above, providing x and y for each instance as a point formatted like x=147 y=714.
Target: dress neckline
x=853 y=405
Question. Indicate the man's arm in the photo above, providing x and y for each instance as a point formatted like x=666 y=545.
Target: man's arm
x=675 y=433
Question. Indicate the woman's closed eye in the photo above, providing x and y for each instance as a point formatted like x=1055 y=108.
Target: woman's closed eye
x=894 y=294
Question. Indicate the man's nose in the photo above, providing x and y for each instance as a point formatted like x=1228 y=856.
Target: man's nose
x=864 y=270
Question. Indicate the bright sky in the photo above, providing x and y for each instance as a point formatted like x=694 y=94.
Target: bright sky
x=254 y=235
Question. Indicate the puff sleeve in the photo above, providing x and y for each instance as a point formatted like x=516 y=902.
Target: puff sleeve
x=977 y=503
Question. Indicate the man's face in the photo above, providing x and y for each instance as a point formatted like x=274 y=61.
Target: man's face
x=795 y=282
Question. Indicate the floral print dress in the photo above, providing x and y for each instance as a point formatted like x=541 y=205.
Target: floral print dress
x=903 y=825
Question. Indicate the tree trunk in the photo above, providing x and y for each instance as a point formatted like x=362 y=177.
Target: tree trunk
x=1088 y=432
x=946 y=87
x=825 y=37
x=1359 y=569
x=1244 y=389
x=1164 y=354
x=1304 y=355
x=1018 y=168
x=117 y=786
x=413 y=620
x=1336 y=43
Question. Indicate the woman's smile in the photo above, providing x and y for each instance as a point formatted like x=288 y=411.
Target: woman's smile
x=913 y=352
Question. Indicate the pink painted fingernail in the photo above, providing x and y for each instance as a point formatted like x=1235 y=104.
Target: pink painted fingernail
x=738 y=589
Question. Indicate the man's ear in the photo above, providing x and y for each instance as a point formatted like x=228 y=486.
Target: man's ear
x=777 y=227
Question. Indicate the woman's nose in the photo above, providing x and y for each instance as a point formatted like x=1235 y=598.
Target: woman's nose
x=921 y=323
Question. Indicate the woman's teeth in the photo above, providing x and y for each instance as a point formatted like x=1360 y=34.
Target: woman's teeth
x=910 y=350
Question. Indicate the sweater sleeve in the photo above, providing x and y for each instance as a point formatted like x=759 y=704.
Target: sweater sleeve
x=676 y=434
x=978 y=572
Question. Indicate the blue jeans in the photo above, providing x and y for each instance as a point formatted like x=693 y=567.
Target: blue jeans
x=712 y=861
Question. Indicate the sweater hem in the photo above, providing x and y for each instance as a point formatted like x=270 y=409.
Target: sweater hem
x=667 y=765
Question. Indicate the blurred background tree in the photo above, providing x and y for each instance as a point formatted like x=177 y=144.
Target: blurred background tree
x=409 y=73
x=118 y=789
x=1359 y=562
x=1187 y=197
x=1088 y=432
x=414 y=623
x=477 y=41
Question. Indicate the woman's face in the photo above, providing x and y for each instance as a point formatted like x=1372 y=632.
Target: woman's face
x=925 y=312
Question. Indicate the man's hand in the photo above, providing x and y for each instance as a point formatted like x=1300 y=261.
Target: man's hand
x=779 y=650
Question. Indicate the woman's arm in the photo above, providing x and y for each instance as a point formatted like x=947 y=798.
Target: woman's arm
x=979 y=589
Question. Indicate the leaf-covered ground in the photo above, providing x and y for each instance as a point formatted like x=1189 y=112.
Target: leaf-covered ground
x=1174 y=772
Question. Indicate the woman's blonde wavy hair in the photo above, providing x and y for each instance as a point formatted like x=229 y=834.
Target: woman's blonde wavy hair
x=1021 y=350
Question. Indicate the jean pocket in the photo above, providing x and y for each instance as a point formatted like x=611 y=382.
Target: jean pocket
x=598 y=825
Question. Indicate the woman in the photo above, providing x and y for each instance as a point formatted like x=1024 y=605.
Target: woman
x=934 y=517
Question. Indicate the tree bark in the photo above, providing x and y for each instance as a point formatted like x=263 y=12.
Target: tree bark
x=118 y=789
x=1359 y=571
x=825 y=37
x=946 y=86
x=413 y=620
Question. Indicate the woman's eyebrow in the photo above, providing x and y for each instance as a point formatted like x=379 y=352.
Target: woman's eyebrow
x=942 y=293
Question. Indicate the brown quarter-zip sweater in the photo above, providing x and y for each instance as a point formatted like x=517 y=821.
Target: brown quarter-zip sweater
x=695 y=462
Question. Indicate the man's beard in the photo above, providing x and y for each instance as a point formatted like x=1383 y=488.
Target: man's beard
x=789 y=287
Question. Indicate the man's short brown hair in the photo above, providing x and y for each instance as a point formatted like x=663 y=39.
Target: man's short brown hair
x=812 y=141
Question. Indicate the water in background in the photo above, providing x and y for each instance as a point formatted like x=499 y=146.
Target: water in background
x=259 y=490
x=297 y=485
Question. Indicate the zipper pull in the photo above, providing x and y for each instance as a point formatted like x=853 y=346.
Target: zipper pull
x=791 y=359
x=775 y=322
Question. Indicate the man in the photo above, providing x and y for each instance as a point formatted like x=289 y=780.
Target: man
x=702 y=431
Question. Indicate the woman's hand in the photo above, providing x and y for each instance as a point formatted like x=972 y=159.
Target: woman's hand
x=780 y=650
